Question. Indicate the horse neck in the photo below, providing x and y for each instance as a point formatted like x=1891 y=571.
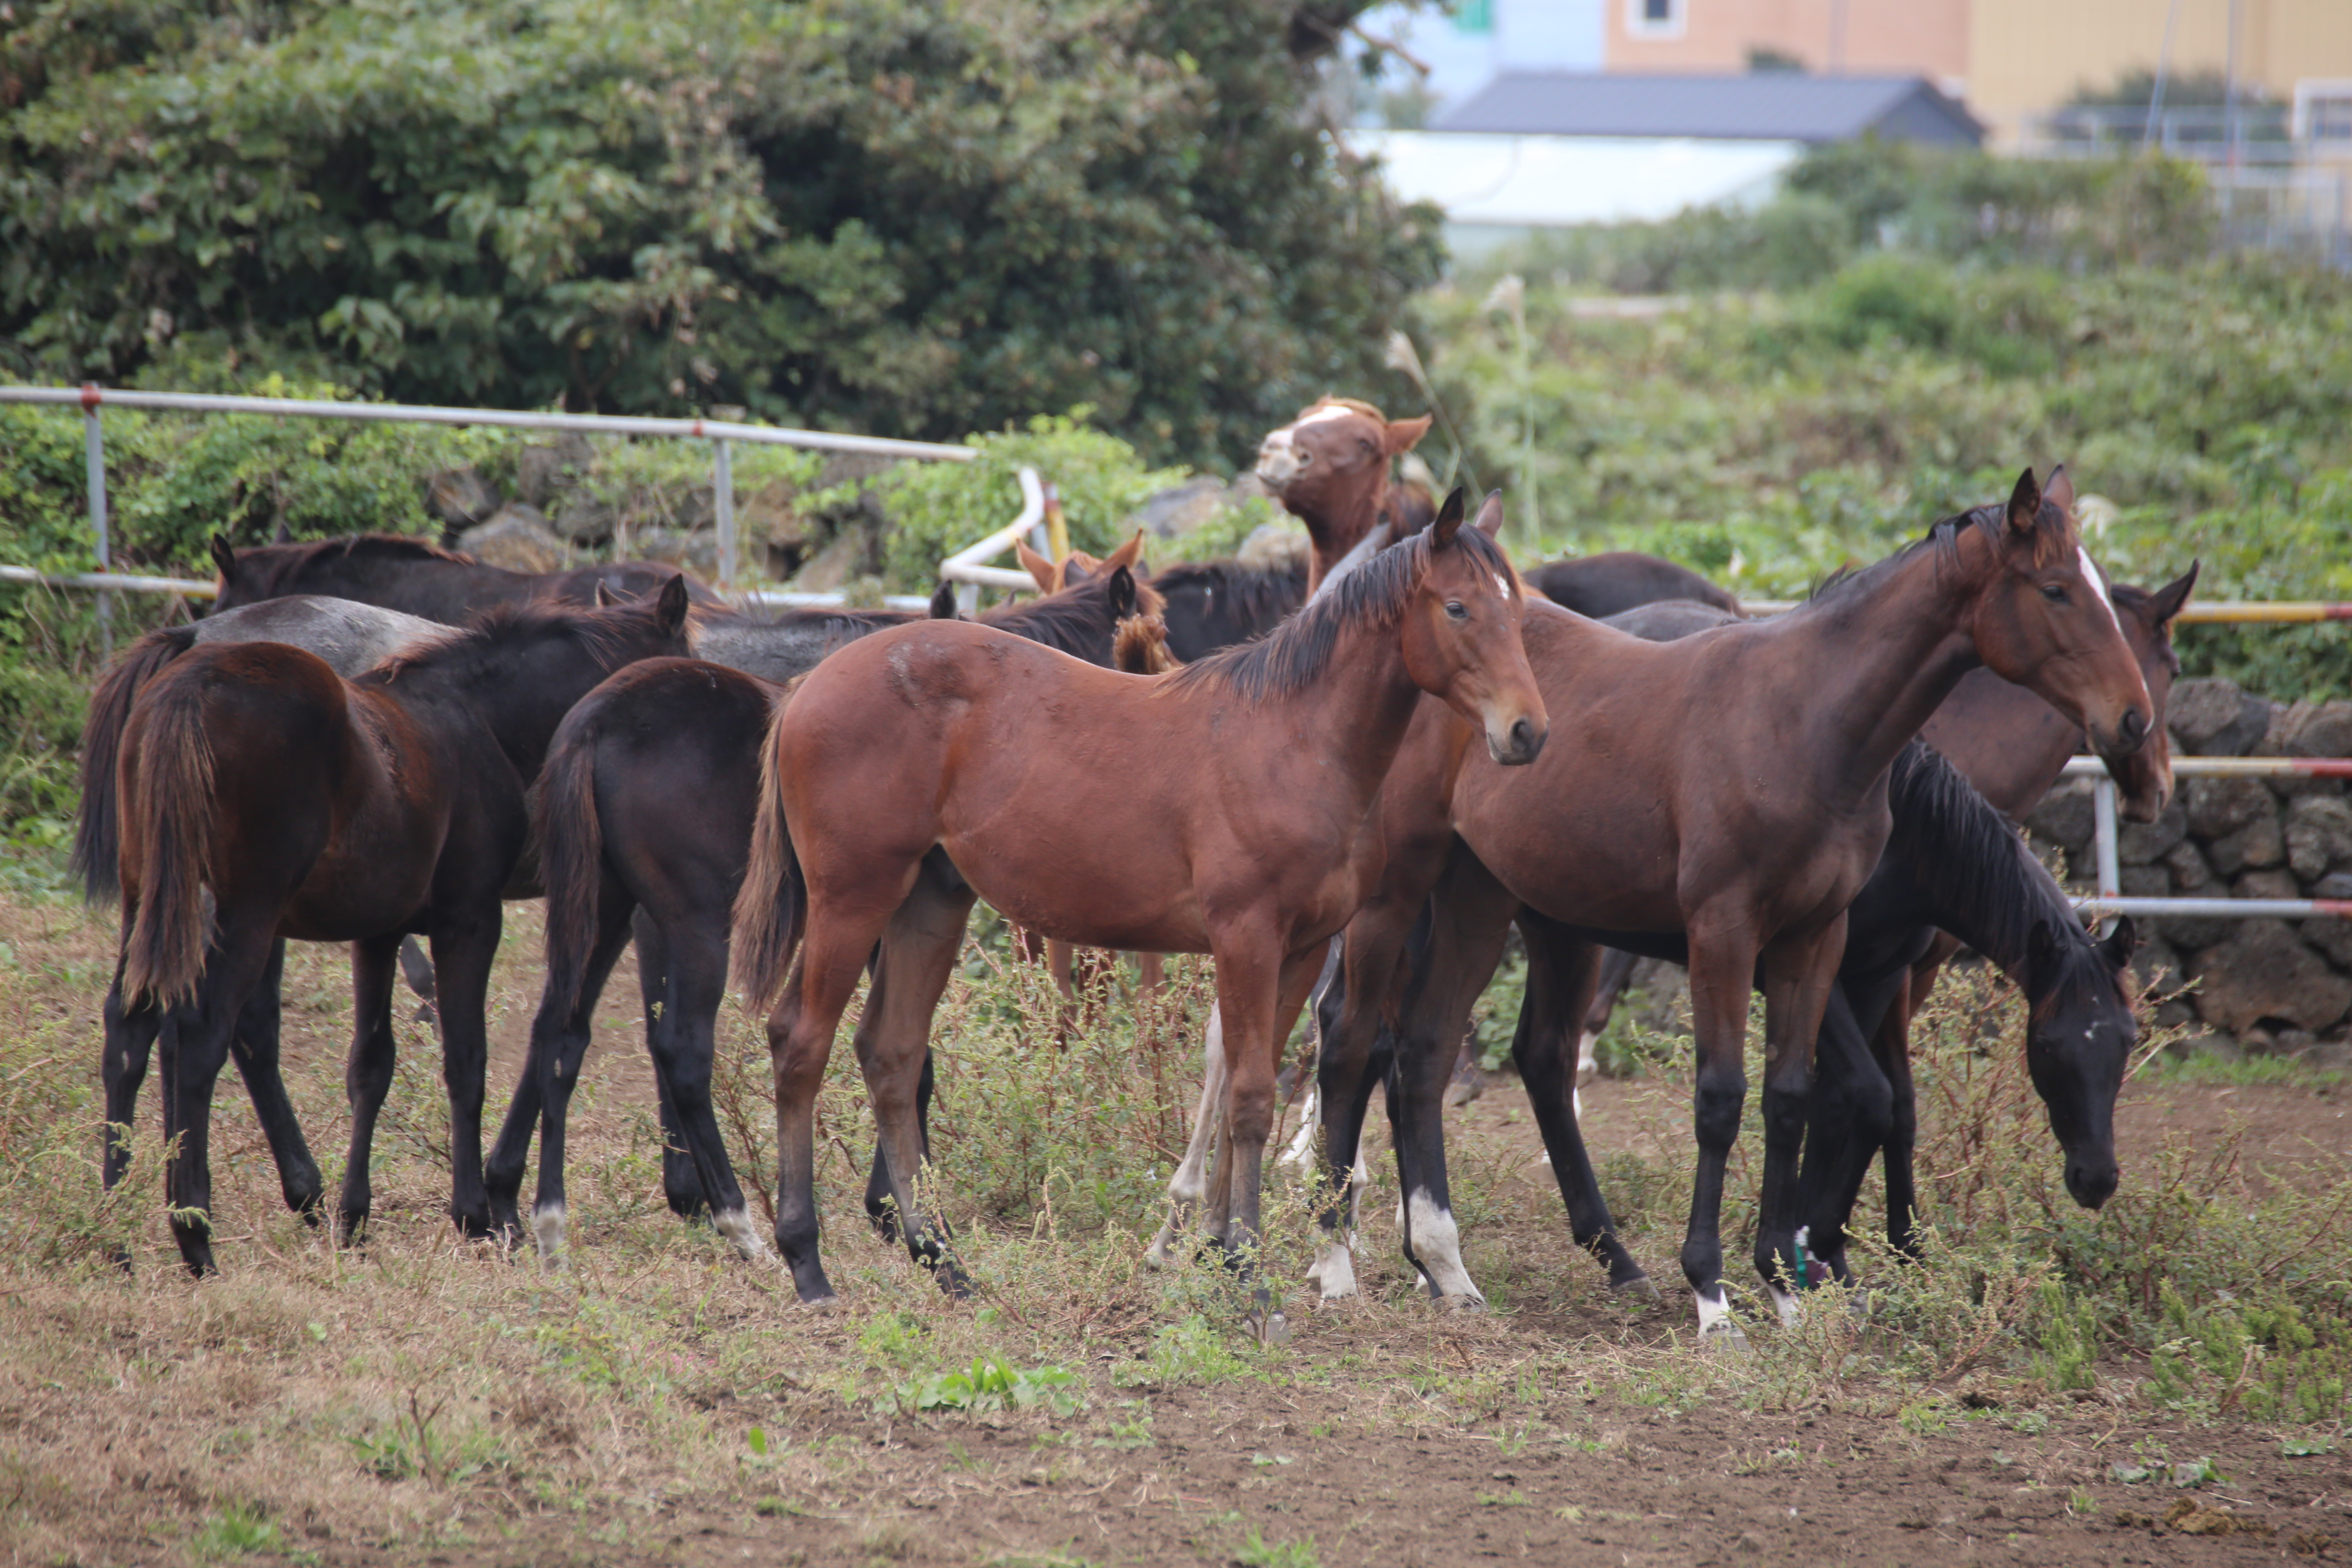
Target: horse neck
x=1353 y=719
x=1337 y=528
x=1980 y=882
x=1883 y=653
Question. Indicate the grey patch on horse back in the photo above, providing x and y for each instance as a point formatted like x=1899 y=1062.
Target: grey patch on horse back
x=1364 y=549
x=348 y=638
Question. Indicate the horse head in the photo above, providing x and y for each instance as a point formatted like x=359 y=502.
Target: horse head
x=1329 y=467
x=2079 y=1034
x=1462 y=641
x=2045 y=621
x=2144 y=781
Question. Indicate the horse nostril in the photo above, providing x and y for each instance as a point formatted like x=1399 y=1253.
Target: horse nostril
x=2134 y=725
x=1523 y=735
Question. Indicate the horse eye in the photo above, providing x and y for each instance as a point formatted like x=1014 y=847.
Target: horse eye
x=1453 y=609
x=2053 y=592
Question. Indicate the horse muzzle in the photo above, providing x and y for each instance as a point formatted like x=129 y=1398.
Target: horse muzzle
x=2091 y=1180
x=1520 y=744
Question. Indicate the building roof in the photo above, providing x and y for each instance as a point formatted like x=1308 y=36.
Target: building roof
x=1547 y=181
x=1767 y=106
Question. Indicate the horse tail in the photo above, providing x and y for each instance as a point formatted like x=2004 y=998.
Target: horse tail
x=769 y=909
x=572 y=857
x=170 y=807
x=98 y=833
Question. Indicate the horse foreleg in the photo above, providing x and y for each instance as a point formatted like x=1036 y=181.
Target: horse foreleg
x=255 y=1046
x=464 y=944
x=1189 y=1185
x=1469 y=917
x=893 y=1040
x=1254 y=994
x=1722 y=976
x=1851 y=1115
x=1562 y=969
x=1799 y=976
x=1353 y=1047
x=1616 y=973
x=417 y=969
x=1891 y=1044
x=367 y=1073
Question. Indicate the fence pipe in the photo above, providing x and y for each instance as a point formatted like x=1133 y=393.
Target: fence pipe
x=722 y=509
x=2103 y=821
x=2243 y=909
x=94 y=450
x=2228 y=767
x=419 y=413
x=964 y=569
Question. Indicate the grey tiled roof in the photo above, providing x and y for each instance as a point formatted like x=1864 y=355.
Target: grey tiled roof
x=1769 y=105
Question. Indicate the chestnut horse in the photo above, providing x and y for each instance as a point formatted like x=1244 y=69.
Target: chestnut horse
x=644 y=819
x=1731 y=787
x=1227 y=805
x=1330 y=468
x=261 y=795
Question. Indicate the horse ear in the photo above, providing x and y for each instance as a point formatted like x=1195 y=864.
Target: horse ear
x=1036 y=565
x=2040 y=952
x=943 y=605
x=224 y=555
x=605 y=597
x=669 y=610
x=1076 y=568
x=1129 y=555
x=1122 y=593
x=2121 y=943
x=282 y=534
x=1402 y=434
x=2060 y=491
x=1490 y=514
x=1449 y=520
x=2173 y=598
x=2025 y=504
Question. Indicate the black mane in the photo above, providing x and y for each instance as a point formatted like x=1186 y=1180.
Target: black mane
x=2051 y=523
x=1295 y=655
x=1076 y=621
x=493 y=634
x=1968 y=858
x=273 y=566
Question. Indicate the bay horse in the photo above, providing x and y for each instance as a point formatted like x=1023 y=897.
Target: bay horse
x=1616 y=580
x=643 y=818
x=1227 y=806
x=1731 y=787
x=1330 y=468
x=261 y=795
x=349 y=638
x=421 y=578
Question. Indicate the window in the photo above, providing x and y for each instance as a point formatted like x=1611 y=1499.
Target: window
x=1655 y=18
x=1474 y=16
x=2323 y=111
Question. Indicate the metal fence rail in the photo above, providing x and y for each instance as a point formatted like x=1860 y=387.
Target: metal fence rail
x=2110 y=899
x=2262 y=611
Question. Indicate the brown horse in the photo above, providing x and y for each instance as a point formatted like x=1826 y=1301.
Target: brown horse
x=261 y=795
x=1731 y=787
x=1228 y=803
x=1330 y=468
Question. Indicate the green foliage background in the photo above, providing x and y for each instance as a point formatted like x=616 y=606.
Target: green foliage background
x=899 y=216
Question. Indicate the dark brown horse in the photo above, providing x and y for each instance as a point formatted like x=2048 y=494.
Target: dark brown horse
x=261 y=795
x=644 y=820
x=1329 y=467
x=420 y=578
x=1731 y=787
x=1616 y=580
x=1226 y=805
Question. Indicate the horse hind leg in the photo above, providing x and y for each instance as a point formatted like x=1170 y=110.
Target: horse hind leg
x=195 y=1047
x=881 y=1208
x=560 y=1038
x=367 y=1073
x=1799 y=979
x=1189 y=1185
x=1616 y=973
x=255 y=1048
x=130 y=1034
x=918 y=953
x=684 y=1048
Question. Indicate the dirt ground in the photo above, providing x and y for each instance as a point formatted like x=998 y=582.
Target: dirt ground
x=1564 y=1427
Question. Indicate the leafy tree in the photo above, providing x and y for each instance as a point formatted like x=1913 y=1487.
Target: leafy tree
x=911 y=217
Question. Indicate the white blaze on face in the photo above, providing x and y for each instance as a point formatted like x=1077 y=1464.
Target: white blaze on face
x=1330 y=411
x=2098 y=586
x=1502 y=587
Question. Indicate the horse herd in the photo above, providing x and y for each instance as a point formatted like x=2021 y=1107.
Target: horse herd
x=1345 y=777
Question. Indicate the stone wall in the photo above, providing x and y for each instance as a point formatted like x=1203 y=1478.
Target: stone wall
x=2273 y=985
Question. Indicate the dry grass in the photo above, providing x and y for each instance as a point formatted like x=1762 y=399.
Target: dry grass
x=423 y=1396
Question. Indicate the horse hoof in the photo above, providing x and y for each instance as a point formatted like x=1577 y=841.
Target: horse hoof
x=1724 y=1336
x=1461 y=1303
x=1641 y=1288
x=825 y=1304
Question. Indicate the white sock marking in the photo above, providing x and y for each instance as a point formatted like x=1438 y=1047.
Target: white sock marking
x=736 y=1226
x=547 y=1228
x=1437 y=1247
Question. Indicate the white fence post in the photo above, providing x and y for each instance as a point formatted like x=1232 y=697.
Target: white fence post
x=722 y=501
x=94 y=447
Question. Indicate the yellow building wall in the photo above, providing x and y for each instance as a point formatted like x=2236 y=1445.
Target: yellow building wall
x=2027 y=57
x=1881 y=38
